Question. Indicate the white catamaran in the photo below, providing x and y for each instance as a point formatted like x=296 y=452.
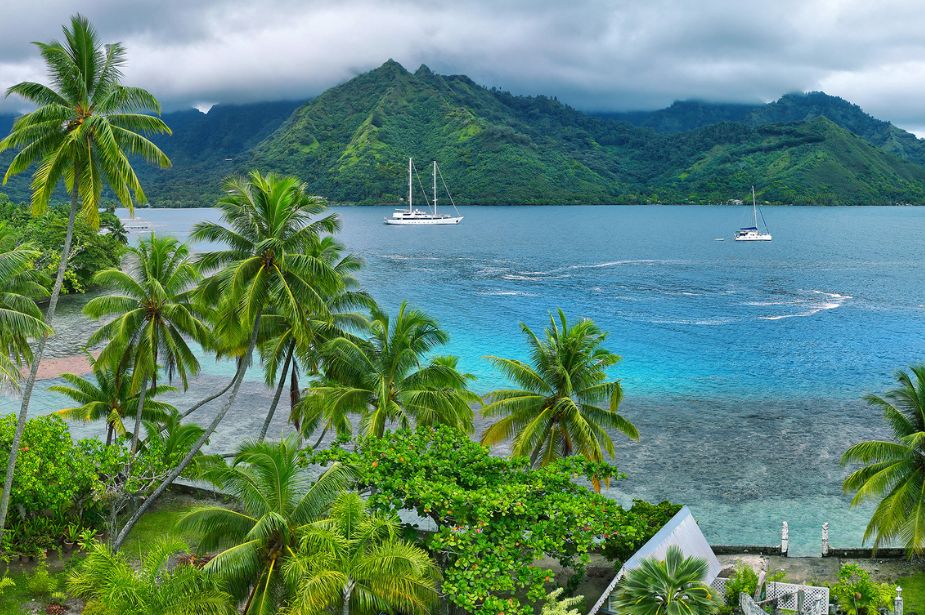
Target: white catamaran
x=752 y=233
x=416 y=216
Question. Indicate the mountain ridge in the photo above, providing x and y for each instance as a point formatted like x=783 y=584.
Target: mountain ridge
x=351 y=144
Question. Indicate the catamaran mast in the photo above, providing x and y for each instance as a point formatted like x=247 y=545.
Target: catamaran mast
x=410 y=192
x=754 y=207
x=435 y=187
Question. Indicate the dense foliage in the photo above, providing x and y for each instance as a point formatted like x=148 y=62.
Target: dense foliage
x=93 y=250
x=494 y=517
x=54 y=483
x=856 y=594
x=353 y=142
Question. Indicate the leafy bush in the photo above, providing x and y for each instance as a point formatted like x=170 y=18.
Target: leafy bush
x=856 y=594
x=743 y=580
x=555 y=605
x=494 y=517
x=639 y=524
x=40 y=583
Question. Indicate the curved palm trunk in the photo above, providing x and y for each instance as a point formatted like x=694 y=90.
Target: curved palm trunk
x=279 y=392
x=235 y=387
x=141 y=404
x=348 y=593
x=203 y=402
x=36 y=360
x=324 y=432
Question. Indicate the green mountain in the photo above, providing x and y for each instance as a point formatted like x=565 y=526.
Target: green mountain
x=689 y=115
x=351 y=144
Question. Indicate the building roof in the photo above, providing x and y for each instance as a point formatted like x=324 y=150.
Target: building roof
x=681 y=531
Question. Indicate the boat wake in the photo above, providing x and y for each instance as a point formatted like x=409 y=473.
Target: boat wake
x=817 y=301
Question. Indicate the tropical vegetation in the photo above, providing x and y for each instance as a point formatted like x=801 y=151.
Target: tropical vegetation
x=81 y=134
x=893 y=470
x=672 y=586
x=566 y=400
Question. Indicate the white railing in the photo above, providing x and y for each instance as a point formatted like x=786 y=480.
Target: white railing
x=815 y=600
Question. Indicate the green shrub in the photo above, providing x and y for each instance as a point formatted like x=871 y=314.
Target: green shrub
x=743 y=580
x=41 y=584
x=856 y=594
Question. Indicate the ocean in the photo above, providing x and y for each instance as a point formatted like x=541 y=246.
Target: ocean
x=744 y=364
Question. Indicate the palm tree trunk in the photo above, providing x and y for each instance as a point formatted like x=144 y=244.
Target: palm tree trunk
x=141 y=404
x=321 y=437
x=37 y=359
x=348 y=592
x=203 y=402
x=279 y=392
x=108 y=433
x=235 y=386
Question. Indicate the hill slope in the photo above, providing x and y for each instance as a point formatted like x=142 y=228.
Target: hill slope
x=351 y=144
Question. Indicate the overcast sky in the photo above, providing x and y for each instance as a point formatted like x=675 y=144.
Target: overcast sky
x=592 y=54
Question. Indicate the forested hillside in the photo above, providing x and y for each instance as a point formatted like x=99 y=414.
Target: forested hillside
x=352 y=142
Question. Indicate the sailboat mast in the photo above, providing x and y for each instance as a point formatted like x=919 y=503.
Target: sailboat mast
x=410 y=192
x=754 y=207
x=435 y=187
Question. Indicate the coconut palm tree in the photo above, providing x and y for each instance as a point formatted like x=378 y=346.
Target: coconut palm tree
x=340 y=320
x=389 y=379
x=354 y=561
x=154 y=317
x=893 y=469
x=109 y=396
x=109 y=581
x=85 y=127
x=673 y=586
x=267 y=266
x=557 y=411
x=276 y=500
x=20 y=318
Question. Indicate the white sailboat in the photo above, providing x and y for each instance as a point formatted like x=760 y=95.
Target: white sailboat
x=753 y=233
x=417 y=216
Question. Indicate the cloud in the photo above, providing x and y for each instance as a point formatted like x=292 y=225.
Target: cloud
x=593 y=54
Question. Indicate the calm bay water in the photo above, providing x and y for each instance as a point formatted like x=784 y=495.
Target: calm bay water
x=743 y=364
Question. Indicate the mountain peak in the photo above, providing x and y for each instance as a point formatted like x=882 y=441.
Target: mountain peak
x=390 y=66
x=423 y=71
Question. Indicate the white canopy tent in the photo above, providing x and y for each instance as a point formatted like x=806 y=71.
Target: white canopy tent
x=681 y=531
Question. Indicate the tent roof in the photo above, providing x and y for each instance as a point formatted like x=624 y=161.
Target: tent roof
x=682 y=530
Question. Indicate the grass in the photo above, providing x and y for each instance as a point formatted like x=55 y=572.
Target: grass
x=913 y=592
x=158 y=522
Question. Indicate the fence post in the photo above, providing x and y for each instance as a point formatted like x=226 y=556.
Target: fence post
x=825 y=539
x=898 y=603
x=784 y=539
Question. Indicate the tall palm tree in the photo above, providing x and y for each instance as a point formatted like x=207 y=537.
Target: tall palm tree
x=113 y=585
x=267 y=266
x=276 y=500
x=566 y=401
x=84 y=128
x=109 y=396
x=20 y=318
x=354 y=560
x=154 y=316
x=389 y=379
x=673 y=586
x=894 y=470
x=282 y=353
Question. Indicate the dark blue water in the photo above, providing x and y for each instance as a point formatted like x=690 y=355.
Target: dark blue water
x=743 y=364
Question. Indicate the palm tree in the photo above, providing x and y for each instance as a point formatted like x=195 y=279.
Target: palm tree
x=673 y=586
x=354 y=560
x=20 y=318
x=84 y=129
x=109 y=581
x=557 y=410
x=276 y=500
x=268 y=228
x=388 y=378
x=894 y=470
x=340 y=320
x=154 y=316
x=109 y=396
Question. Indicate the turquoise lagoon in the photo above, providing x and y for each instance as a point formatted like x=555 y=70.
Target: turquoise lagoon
x=743 y=364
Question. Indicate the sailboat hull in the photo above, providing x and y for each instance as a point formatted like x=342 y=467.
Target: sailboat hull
x=755 y=237
x=423 y=220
